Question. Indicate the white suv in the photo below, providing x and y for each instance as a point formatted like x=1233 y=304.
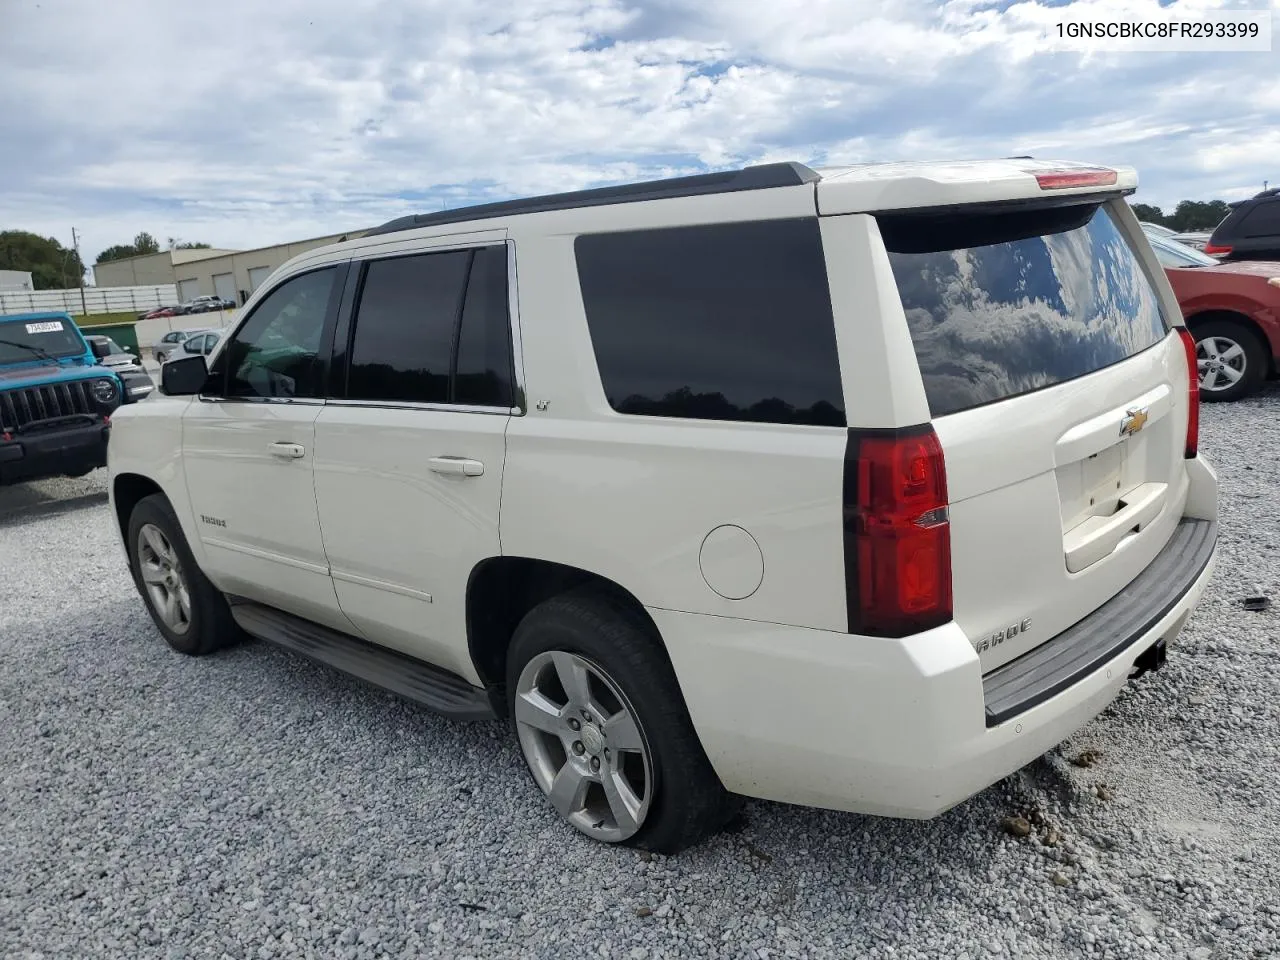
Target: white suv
x=857 y=488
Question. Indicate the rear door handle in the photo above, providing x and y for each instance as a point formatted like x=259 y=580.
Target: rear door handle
x=457 y=466
x=286 y=451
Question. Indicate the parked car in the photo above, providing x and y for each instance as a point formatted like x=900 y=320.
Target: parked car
x=1196 y=239
x=169 y=311
x=199 y=344
x=1251 y=231
x=1233 y=311
x=133 y=376
x=1155 y=229
x=167 y=344
x=716 y=495
x=204 y=304
x=56 y=401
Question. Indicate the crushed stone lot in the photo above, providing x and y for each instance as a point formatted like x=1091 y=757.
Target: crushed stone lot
x=254 y=805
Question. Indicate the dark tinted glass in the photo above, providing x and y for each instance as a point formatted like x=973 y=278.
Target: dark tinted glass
x=1000 y=305
x=1262 y=221
x=404 y=328
x=276 y=352
x=484 y=343
x=725 y=322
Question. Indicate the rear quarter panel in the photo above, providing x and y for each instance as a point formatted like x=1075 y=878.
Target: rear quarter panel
x=1213 y=292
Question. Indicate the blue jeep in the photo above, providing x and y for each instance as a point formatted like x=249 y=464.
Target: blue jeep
x=55 y=400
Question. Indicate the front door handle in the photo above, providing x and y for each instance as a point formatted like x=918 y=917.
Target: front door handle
x=286 y=451
x=457 y=466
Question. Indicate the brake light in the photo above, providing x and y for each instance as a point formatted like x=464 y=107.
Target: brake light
x=897 y=532
x=1193 y=399
x=1216 y=249
x=1065 y=179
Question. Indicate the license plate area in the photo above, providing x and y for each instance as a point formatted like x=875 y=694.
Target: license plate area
x=1093 y=486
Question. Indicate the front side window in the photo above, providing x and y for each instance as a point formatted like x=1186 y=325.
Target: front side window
x=722 y=322
x=433 y=328
x=277 y=351
x=1002 y=304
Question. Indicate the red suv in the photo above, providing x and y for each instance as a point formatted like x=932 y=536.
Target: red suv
x=1233 y=310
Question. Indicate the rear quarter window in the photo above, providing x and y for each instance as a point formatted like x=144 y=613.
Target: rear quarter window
x=720 y=322
x=999 y=305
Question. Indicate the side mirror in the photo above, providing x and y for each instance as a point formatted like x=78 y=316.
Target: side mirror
x=183 y=377
x=100 y=350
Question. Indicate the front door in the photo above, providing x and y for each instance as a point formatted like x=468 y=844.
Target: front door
x=409 y=455
x=248 y=448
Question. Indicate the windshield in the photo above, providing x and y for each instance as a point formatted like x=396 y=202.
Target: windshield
x=50 y=337
x=1005 y=303
x=1171 y=253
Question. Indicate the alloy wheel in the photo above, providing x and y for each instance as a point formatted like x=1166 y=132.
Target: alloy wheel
x=581 y=739
x=162 y=576
x=1220 y=363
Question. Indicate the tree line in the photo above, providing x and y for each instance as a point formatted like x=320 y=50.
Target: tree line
x=55 y=267
x=1187 y=215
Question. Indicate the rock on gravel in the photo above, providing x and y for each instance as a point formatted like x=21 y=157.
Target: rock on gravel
x=253 y=805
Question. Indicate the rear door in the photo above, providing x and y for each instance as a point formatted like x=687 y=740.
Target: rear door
x=1058 y=391
x=409 y=449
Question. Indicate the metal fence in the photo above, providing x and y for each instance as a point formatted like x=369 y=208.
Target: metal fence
x=96 y=299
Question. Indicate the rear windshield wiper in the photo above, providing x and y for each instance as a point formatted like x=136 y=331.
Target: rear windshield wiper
x=40 y=352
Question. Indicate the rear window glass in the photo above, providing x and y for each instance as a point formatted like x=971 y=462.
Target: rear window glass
x=1262 y=221
x=1000 y=305
x=723 y=322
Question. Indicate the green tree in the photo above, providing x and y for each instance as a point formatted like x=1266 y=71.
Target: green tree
x=192 y=246
x=1198 y=215
x=118 y=252
x=1149 y=214
x=52 y=266
x=145 y=243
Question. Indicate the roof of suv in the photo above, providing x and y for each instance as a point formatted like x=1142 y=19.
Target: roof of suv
x=850 y=189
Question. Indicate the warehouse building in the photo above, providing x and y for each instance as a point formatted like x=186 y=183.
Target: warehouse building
x=231 y=274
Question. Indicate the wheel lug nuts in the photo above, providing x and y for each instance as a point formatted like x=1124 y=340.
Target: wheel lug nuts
x=586 y=715
x=595 y=763
x=606 y=753
x=574 y=724
x=578 y=748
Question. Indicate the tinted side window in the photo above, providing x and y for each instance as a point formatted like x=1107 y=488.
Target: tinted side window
x=724 y=322
x=276 y=352
x=1262 y=221
x=404 y=328
x=484 y=374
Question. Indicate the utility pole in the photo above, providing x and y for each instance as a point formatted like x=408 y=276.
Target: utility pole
x=75 y=244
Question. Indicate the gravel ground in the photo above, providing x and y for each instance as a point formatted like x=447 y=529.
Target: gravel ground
x=253 y=805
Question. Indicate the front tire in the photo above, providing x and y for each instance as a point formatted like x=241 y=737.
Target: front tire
x=1231 y=359
x=603 y=726
x=189 y=611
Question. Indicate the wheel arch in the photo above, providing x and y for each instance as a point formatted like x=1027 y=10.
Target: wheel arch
x=1203 y=316
x=127 y=489
x=501 y=590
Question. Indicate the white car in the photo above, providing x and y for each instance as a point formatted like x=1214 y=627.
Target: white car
x=857 y=488
x=199 y=343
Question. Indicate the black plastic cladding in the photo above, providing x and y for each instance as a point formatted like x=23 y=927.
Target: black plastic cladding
x=764 y=177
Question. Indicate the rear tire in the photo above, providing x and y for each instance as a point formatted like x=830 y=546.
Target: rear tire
x=189 y=611
x=1232 y=359
x=631 y=722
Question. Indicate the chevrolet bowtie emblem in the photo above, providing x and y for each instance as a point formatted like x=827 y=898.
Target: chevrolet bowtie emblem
x=1134 y=420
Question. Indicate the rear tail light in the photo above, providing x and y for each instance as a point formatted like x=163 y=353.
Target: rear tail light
x=897 y=532
x=1065 y=179
x=1216 y=249
x=1193 y=398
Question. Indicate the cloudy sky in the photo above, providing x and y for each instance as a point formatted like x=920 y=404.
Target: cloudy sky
x=246 y=122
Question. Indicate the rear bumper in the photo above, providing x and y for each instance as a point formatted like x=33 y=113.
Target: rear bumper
x=893 y=727
x=70 y=450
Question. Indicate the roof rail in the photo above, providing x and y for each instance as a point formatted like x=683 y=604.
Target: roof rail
x=762 y=177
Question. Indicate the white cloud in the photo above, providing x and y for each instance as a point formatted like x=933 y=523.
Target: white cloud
x=243 y=123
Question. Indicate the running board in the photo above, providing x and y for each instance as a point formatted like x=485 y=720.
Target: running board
x=432 y=687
